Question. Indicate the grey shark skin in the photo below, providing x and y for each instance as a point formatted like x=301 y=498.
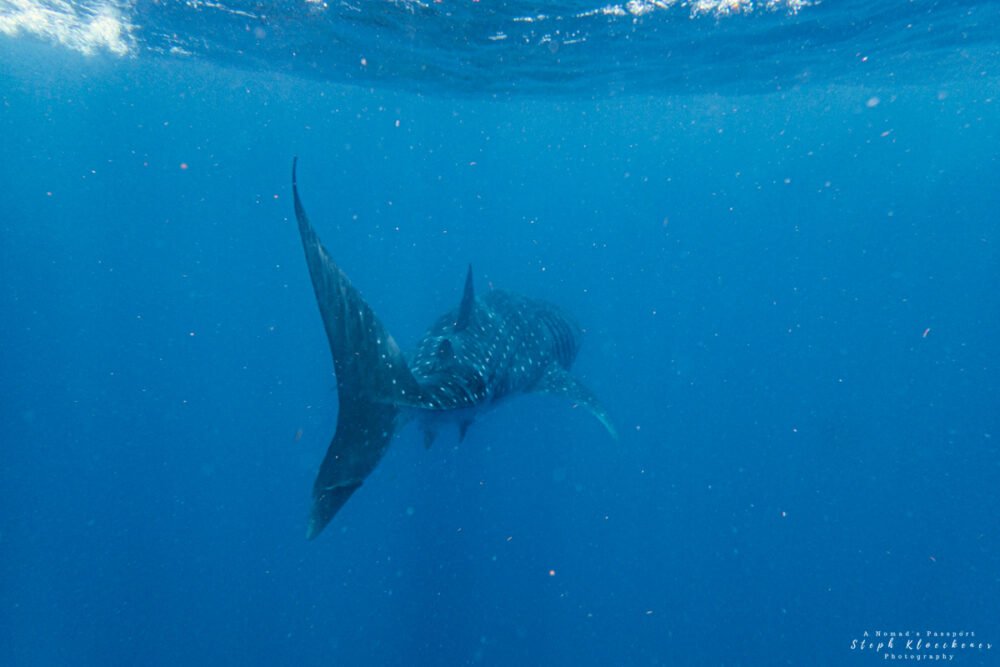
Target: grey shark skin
x=489 y=348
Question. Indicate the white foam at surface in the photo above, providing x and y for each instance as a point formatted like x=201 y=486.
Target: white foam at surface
x=721 y=8
x=88 y=30
x=697 y=8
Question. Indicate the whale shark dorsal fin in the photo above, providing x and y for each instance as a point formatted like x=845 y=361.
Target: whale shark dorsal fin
x=468 y=303
x=557 y=381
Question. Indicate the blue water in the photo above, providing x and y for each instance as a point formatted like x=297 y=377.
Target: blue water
x=778 y=227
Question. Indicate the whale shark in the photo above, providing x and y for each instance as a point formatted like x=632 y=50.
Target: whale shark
x=491 y=347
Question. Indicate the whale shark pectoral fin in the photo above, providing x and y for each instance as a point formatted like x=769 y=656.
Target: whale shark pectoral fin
x=468 y=303
x=557 y=381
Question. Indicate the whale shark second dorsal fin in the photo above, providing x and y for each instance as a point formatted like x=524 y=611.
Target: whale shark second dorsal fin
x=446 y=351
x=468 y=303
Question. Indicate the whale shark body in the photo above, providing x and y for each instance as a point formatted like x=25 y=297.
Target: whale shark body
x=489 y=348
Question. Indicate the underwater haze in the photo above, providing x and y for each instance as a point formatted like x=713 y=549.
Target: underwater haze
x=776 y=222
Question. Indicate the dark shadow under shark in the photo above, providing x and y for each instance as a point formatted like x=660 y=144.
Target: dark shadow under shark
x=490 y=348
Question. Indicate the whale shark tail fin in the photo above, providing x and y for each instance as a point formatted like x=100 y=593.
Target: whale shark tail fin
x=373 y=379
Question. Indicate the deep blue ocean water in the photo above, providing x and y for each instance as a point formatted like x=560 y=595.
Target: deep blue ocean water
x=777 y=223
